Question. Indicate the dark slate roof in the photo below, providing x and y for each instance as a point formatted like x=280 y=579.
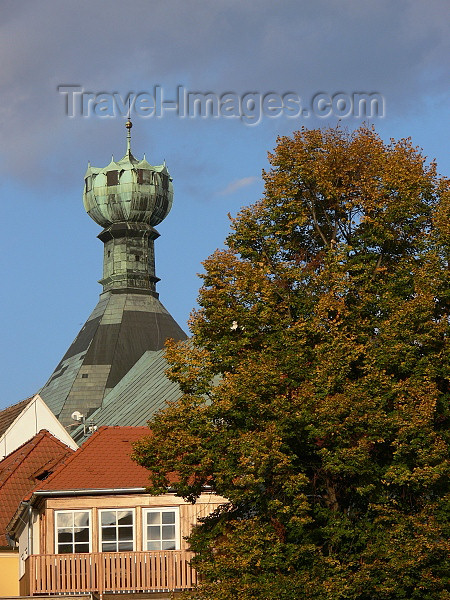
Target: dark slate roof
x=21 y=470
x=122 y=327
x=10 y=414
x=143 y=391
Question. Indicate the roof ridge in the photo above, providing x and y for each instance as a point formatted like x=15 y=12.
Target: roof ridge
x=17 y=403
x=10 y=409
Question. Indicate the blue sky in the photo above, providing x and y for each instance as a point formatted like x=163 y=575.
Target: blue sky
x=50 y=257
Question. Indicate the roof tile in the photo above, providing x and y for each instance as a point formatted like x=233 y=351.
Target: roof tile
x=102 y=462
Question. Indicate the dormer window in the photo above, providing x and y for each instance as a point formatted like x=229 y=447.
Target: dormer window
x=112 y=178
x=88 y=183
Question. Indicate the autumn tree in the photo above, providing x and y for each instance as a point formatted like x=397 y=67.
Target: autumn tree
x=316 y=384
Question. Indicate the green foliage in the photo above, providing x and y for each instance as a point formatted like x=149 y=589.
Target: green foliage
x=325 y=325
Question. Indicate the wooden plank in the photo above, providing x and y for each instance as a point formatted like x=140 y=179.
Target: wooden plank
x=168 y=570
x=49 y=583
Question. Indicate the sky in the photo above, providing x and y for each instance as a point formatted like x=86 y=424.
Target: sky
x=51 y=259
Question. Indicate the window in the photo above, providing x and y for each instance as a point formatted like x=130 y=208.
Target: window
x=144 y=176
x=112 y=177
x=116 y=530
x=88 y=183
x=165 y=181
x=73 y=532
x=161 y=529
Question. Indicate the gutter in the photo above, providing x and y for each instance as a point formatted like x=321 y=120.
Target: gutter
x=84 y=492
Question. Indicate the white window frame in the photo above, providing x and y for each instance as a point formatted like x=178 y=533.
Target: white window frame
x=58 y=512
x=133 y=525
x=161 y=509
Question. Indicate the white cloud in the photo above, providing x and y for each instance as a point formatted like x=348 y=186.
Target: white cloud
x=236 y=185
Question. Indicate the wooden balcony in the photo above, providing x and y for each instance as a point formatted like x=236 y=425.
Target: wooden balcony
x=102 y=572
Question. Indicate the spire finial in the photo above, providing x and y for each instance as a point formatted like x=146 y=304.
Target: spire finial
x=129 y=125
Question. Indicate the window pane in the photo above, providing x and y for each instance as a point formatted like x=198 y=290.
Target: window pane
x=109 y=547
x=64 y=536
x=82 y=535
x=153 y=533
x=168 y=532
x=108 y=534
x=153 y=546
x=81 y=547
x=65 y=548
x=153 y=518
x=81 y=519
x=168 y=517
x=64 y=519
x=125 y=517
x=168 y=546
x=125 y=546
x=125 y=533
x=108 y=517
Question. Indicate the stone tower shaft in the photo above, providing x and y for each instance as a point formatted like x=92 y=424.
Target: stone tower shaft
x=129 y=258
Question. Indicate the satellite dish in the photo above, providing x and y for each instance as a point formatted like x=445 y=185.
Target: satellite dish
x=77 y=416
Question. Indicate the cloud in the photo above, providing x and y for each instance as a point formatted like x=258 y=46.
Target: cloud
x=236 y=185
x=397 y=49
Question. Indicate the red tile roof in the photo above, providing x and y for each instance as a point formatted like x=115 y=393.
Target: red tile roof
x=10 y=414
x=20 y=471
x=102 y=462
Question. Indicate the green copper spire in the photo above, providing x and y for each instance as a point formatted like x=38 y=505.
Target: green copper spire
x=128 y=198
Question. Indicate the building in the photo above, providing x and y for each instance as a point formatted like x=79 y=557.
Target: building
x=20 y=471
x=21 y=421
x=128 y=198
x=91 y=526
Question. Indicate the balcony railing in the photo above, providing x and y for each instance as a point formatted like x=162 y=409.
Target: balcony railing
x=109 y=572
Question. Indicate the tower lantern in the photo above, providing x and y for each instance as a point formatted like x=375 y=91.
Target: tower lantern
x=128 y=198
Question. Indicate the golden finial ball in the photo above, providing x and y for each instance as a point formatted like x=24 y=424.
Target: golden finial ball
x=128 y=124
